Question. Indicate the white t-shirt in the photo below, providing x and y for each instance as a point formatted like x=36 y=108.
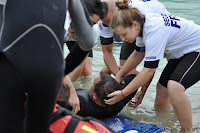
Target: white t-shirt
x=168 y=36
x=96 y=32
x=67 y=26
x=144 y=6
x=149 y=6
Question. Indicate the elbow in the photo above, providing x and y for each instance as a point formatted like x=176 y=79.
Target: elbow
x=149 y=71
x=86 y=42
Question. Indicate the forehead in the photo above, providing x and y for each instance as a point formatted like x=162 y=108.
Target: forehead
x=120 y=30
x=97 y=79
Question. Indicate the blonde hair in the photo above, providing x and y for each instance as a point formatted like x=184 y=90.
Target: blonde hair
x=125 y=15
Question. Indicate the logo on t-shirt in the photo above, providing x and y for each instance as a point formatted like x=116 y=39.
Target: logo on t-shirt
x=151 y=57
x=145 y=0
x=100 y=26
x=171 y=20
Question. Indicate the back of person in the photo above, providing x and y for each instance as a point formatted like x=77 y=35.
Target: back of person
x=149 y=6
x=179 y=36
x=144 y=6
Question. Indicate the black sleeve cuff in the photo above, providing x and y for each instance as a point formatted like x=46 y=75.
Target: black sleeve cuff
x=151 y=64
x=106 y=41
x=140 y=49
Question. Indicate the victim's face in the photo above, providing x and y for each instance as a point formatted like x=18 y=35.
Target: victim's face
x=128 y=34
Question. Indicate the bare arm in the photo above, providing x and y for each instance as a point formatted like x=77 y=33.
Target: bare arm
x=145 y=75
x=73 y=99
x=140 y=95
x=132 y=62
x=109 y=59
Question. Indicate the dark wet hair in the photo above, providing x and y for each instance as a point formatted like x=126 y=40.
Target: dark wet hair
x=96 y=7
x=106 y=86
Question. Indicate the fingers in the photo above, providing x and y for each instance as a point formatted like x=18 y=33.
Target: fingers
x=75 y=109
x=136 y=96
x=122 y=81
x=115 y=97
x=134 y=103
x=110 y=101
x=111 y=94
x=118 y=80
x=76 y=104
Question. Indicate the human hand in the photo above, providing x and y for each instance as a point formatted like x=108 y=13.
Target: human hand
x=74 y=100
x=137 y=99
x=105 y=70
x=119 y=79
x=115 y=97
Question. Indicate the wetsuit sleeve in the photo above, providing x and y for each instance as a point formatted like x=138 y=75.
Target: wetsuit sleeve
x=81 y=23
x=84 y=34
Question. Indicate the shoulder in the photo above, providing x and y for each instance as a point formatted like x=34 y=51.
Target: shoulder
x=104 y=30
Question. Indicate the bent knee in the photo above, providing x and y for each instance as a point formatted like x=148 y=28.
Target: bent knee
x=174 y=86
x=87 y=72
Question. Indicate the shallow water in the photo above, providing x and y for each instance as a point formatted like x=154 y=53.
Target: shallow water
x=189 y=9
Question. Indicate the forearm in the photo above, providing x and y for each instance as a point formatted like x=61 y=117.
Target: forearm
x=142 y=78
x=109 y=59
x=67 y=81
x=132 y=62
x=111 y=63
x=73 y=99
x=146 y=85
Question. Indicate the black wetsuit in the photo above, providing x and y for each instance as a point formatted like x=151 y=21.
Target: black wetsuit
x=90 y=108
x=31 y=61
x=70 y=45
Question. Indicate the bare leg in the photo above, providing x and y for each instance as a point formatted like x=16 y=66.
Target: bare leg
x=181 y=105
x=87 y=69
x=76 y=73
x=162 y=101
